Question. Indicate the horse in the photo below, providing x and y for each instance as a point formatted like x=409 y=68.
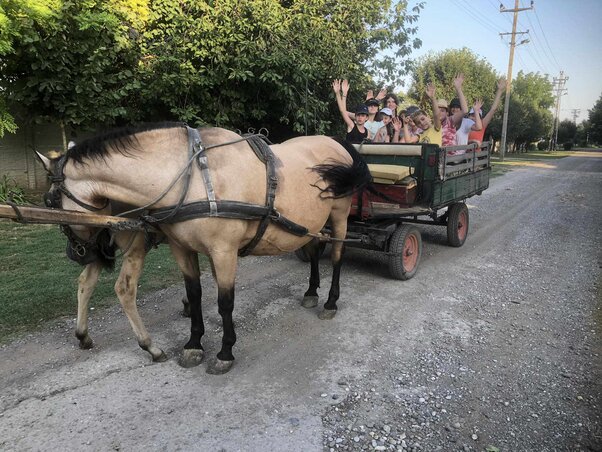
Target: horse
x=214 y=192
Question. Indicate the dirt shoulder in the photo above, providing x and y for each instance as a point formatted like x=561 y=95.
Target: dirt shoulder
x=493 y=345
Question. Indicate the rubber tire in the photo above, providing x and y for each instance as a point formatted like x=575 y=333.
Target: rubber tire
x=303 y=257
x=405 y=238
x=457 y=224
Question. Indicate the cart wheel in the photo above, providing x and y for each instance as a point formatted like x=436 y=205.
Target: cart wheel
x=457 y=224
x=405 y=247
x=300 y=253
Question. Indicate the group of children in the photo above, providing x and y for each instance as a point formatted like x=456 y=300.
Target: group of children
x=451 y=124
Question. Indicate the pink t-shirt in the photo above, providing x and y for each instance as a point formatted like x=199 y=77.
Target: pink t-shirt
x=448 y=132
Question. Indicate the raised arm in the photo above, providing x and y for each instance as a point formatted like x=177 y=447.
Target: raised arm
x=339 y=86
x=501 y=86
x=457 y=117
x=478 y=124
x=430 y=92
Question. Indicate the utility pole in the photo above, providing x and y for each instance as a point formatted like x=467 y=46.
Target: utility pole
x=513 y=44
x=575 y=113
x=560 y=91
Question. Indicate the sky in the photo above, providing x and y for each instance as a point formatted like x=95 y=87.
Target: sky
x=565 y=35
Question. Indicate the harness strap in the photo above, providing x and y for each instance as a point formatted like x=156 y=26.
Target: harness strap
x=265 y=154
x=194 y=143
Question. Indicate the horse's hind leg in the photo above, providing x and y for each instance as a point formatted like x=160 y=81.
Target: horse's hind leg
x=188 y=262
x=224 y=270
x=86 y=283
x=126 y=289
x=338 y=219
x=310 y=298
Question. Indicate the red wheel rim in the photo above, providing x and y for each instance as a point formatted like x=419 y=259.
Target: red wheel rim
x=410 y=252
x=462 y=225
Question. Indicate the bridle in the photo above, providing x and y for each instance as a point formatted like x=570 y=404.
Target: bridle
x=80 y=247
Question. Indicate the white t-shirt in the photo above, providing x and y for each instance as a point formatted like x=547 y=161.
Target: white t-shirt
x=463 y=131
x=373 y=127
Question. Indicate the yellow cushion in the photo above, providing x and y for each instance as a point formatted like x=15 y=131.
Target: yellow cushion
x=388 y=174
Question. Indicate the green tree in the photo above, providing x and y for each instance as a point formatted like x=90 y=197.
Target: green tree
x=529 y=116
x=255 y=63
x=595 y=122
x=567 y=130
x=72 y=63
x=441 y=69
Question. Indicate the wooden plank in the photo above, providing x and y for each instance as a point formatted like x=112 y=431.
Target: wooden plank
x=45 y=215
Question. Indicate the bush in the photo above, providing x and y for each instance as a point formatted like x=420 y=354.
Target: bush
x=531 y=147
x=9 y=191
x=568 y=145
x=542 y=145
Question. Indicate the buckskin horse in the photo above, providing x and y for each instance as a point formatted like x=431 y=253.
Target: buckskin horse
x=217 y=193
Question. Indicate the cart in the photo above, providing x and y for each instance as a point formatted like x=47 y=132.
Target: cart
x=414 y=184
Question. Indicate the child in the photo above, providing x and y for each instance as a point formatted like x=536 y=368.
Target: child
x=356 y=132
x=386 y=133
x=431 y=128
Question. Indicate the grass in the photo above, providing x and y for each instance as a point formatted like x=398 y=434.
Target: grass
x=532 y=158
x=38 y=283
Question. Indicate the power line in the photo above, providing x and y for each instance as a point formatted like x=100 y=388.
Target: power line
x=476 y=18
x=545 y=38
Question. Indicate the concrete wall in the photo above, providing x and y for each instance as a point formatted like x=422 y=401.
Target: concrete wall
x=17 y=158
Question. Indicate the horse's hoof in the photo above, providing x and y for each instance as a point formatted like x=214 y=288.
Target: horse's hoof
x=327 y=314
x=191 y=357
x=186 y=309
x=219 y=367
x=310 y=301
x=86 y=343
x=161 y=358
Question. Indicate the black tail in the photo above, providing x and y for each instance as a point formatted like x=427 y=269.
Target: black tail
x=344 y=180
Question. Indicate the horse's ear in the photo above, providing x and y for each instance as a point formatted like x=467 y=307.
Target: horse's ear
x=48 y=162
x=44 y=160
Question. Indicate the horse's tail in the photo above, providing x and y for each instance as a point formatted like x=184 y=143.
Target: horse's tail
x=343 y=180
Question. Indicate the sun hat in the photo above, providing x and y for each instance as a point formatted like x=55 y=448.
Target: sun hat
x=442 y=103
x=387 y=111
x=361 y=110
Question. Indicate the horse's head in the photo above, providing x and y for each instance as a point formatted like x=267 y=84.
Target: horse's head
x=85 y=244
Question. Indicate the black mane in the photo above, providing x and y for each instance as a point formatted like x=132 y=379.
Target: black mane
x=97 y=147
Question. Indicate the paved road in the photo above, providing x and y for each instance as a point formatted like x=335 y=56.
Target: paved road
x=496 y=343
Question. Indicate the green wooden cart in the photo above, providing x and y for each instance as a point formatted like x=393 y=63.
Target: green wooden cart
x=415 y=184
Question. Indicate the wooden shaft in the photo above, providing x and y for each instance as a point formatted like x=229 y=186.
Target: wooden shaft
x=45 y=215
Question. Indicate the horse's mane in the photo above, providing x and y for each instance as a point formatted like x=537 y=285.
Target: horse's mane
x=119 y=139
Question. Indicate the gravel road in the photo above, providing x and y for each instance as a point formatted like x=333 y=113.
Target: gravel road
x=492 y=346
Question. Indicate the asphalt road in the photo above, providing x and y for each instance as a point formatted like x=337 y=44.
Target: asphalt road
x=493 y=345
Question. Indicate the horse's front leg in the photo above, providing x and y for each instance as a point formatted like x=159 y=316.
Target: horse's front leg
x=338 y=219
x=224 y=271
x=86 y=283
x=310 y=298
x=126 y=288
x=188 y=261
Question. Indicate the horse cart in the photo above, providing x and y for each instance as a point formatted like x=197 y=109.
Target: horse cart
x=414 y=184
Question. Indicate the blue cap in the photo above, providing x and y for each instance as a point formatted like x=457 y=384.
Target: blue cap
x=361 y=110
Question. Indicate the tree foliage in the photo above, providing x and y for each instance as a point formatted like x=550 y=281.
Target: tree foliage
x=595 y=122
x=441 y=69
x=72 y=63
x=529 y=116
x=256 y=63
x=234 y=63
x=567 y=130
